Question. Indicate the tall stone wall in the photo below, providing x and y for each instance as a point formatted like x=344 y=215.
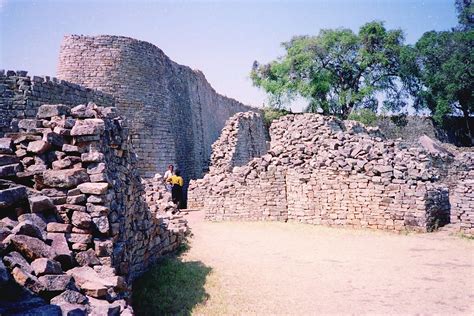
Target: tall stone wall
x=175 y=115
x=76 y=223
x=21 y=95
x=322 y=170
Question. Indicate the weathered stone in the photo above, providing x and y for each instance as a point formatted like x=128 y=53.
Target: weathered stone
x=67 y=178
x=93 y=156
x=103 y=248
x=10 y=170
x=55 y=282
x=96 y=188
x=87 y=258
x=27 y=280
x=88 y=127
x=42 y=266
x=15 y=259
x=27 y=228
x=58 y=228
x=11 y=195
x=6 y=145
x=60 y=246
x=38 y=147
x=50 y=110
x=101 y=224
x=81 y=219
x=69 y=296
x=8 y=160
x=40 y=203
x=79 y=238
x=32 y=248
x=37 y=219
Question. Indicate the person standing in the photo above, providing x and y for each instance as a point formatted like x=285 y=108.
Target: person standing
x=177 y=190
x=167 y=177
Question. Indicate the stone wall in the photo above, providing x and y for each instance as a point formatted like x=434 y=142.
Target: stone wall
x=321 y=170
x=242 y=138
x=174 y=114
x=21 y=95
x=77 y=225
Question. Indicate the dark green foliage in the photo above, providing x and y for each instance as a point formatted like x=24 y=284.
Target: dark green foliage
x=336 y=70
x=171 y=287
x=365 y=116
x=270 y=114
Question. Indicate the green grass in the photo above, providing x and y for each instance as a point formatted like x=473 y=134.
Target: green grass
x=171 y=287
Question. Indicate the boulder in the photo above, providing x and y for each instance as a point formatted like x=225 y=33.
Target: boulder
x=50 y=110
x=67 y=178
x=32 y=248
x=42 y=266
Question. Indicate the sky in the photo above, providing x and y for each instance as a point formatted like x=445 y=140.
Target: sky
x=220 y=38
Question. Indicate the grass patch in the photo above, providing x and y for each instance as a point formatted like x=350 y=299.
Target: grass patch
x=171 y=287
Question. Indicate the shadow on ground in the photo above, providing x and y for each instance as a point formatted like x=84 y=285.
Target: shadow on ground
x=171 y=287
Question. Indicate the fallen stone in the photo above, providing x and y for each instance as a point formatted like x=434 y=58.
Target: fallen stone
x=27 y=228
x=11 y=195
x=32 y=248
x=58 y=228
x=15 y=259
x=67 y=178
x=88 y=127
x=79 y=238
x=53 y=139
x=96 y=188
x=38 y=147
x=8 y=160
x=87 y=258
x=6 y=145
x=36 y=218
x=40 y=203
x=60 y=246
x=55 y=282
x=94 y=289
x=50 y=110
x=10 y=170
x=93 y=156
x=27 y=280
x=101 y=224
x=42 y=266
x=69 y=296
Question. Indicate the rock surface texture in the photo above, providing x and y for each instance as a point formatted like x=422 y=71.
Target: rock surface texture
x=321 y=170
x=76 y=226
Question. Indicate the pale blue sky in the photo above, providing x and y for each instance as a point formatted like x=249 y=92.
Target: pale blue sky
x=221 y=38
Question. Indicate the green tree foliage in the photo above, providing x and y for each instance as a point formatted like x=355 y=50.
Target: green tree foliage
x=438 y=71
x=465 y=9
x=336 y=70
x=365 y=116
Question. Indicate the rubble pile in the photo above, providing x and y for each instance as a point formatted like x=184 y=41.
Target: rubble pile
x=75 y=229
x=322 y=170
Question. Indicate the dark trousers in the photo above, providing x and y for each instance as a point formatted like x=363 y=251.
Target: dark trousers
x=177 y=194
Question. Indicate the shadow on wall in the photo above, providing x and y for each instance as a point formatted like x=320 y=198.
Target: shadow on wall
x=171 y=287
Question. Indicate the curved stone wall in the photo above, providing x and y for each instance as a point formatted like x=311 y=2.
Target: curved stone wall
x=175 y=115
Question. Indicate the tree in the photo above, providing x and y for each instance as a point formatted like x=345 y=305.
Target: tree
x=465 y=9
x=336 y=70
x=439 y=71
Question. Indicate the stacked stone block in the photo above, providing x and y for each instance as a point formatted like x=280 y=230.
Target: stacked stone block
x=325 y=171
x=75 y=226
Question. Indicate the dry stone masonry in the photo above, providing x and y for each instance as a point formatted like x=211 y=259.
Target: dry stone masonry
x=242 y=139
x=321 y=170
x=174 y=113
x=76 y=223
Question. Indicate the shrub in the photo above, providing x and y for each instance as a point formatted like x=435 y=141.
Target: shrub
x=365 y=116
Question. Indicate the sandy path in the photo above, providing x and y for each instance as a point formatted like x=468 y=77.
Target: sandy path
x=278 y=268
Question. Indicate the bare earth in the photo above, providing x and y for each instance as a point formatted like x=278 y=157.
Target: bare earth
x=285 y=268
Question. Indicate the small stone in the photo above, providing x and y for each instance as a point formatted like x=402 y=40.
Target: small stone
x=15 y=259
x=58 y=228
x=69 y=296
x=11 y=196
x=93 y=156
x=55 y=283
x=27 y=280
x=81 y=219
x=6 y=145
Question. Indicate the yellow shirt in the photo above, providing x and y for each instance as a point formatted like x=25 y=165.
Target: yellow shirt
x=174 y=179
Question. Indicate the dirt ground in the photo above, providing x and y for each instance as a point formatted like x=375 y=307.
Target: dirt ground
x=285 y=268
